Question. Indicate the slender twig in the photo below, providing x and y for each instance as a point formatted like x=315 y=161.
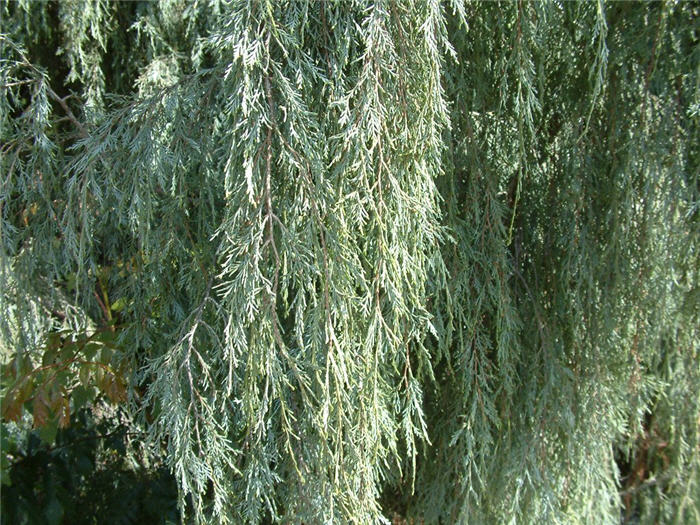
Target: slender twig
x=62 y=102
x=75 y=442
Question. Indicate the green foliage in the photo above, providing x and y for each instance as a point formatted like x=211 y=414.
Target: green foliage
x=92 y=472
x=342 y=261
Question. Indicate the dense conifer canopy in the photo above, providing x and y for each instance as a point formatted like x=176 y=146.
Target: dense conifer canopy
x=346 y=261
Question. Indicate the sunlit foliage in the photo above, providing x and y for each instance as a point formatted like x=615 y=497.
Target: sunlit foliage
x=358 y=260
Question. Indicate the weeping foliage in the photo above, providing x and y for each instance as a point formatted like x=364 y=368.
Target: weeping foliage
x=368 y=260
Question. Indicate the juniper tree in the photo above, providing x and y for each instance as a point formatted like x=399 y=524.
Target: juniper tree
x=352 y=260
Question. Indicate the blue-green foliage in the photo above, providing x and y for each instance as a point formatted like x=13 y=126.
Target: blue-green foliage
x=345 y=261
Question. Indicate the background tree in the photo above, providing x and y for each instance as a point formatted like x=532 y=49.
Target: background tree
x=345 y=260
